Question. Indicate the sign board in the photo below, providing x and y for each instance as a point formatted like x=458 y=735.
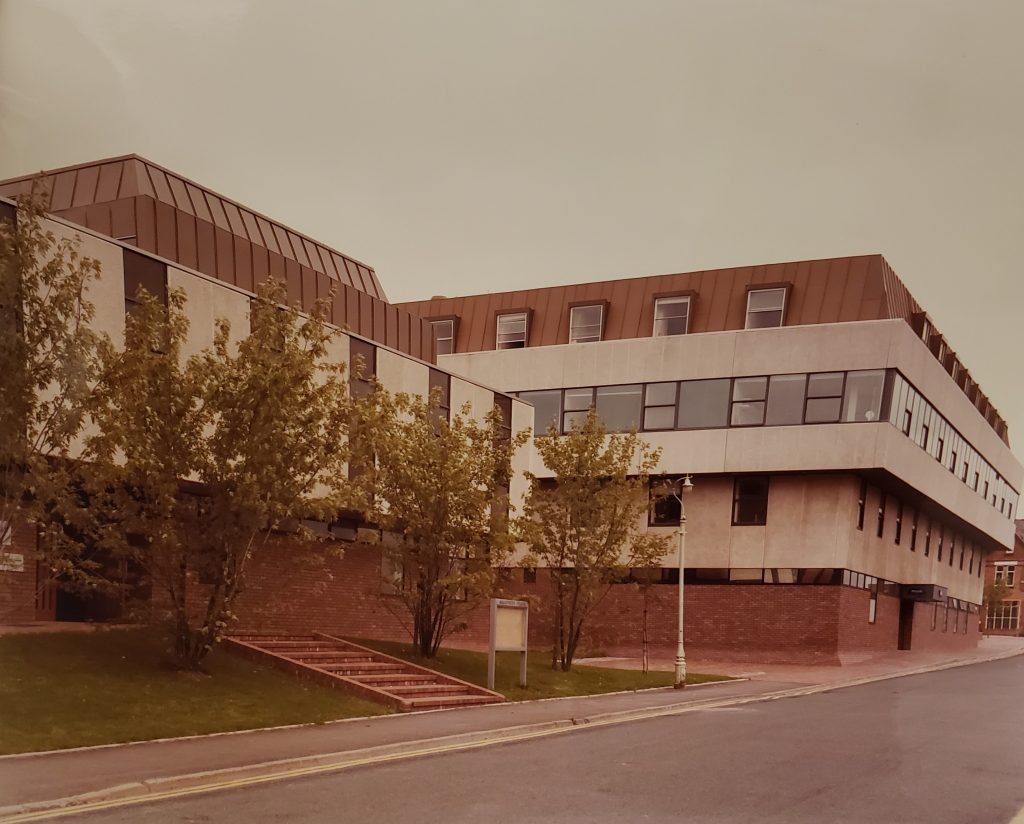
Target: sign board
x=509 y=633
x=11 y=562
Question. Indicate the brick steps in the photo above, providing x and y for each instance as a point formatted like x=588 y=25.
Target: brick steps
x=391 y=681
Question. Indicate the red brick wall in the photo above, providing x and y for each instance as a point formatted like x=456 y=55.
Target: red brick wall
x=18 y=589
x=856 y=633
x=943 y=638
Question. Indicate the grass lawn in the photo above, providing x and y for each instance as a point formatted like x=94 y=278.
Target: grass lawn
x=61 y=690
x=541 y=680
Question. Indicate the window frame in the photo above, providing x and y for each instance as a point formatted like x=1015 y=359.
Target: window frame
x=527 y=314
x=454 y=321
x=588 y=304
x=688 y=297
x=766 y=287
x=736 y=496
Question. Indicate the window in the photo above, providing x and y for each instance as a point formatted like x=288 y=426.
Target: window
x=671 y=316
x=529 y=575
x=1005 y=574
x=444 y=335
x=935 y=614
x=512 y=331
x=142 y=272
x=750 y=501
x=861 y=503
x=785 y=399
x=576 y=404
x=619 y=407
x=952 y=548
x=942 y=536
x=928 y=539
x=765 y=308
x=1005 y=615
x=547 y=409
x=704 y=404
x=970 y=568
x=872 y=607
x=824 y=397
x=862 y=395
x=913 y=532
x=952 y=462
x=585 y=323
x=503 y=403
x=962 y=549
x=363 y=366
x=899 y=521
x=880 y=528
x=924 y=436
x=665 y=507
x=748 y=401
x=977 y=480
x=441 y=386
x=908 y=418
x=660 y=405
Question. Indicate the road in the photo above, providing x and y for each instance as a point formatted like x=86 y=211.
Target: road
x=942 y=747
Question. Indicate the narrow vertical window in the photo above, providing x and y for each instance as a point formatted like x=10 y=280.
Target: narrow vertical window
x=913 y=532
x=765 y=308
x=362 y=366
x=928 y=539
x=143 y=273
x=862 y=504
x=942 y=535
x=660 y=405
x=671 y=316
x=441 y=394
x=750 y=501
x=880 y=528
x=899 y=521
x=586 y=323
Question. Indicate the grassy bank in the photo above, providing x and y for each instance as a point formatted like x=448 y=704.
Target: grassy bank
x=541 y=680
x=61 y=690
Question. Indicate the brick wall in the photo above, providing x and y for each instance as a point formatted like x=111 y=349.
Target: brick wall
x=18 y=589
x=856 y=633
x=943 y=638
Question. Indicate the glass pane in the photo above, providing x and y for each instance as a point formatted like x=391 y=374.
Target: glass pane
x=785 y=400
x=704 y=404
x=659 y=417
x=444 y=346
x=660 y=394
x=585 y=323
x=863 y=399
x=546 y=408
x=764 y=320
x=765 y=299
x=822 y=410
x=749 y=389
x=670 y=316
x=573 y=419
x=619 y=407
x=748 y=413
x=745 y=574
x=825 y=384
x=579 y=398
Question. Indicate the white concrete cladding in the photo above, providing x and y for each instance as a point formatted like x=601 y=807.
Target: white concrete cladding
x=799 y=349
x=209 y=299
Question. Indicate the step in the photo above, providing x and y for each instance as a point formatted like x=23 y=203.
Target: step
x=417 y=690
x=399 y=679
x=444 y=701
x=302 y=645
x=327 y=655
x=368 y=668
x=257 y=639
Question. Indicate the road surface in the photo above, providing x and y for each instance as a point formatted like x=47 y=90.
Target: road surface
x=943 y=747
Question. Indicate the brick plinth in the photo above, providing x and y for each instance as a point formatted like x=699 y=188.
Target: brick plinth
x=18 y=589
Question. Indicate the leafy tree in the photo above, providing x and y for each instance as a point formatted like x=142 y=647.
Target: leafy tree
x=587 y=524
x=995 y=594
x=440 y=494
x=50 y=361
x=197 y=461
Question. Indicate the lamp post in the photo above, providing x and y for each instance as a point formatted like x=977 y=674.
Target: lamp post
x=685 y=487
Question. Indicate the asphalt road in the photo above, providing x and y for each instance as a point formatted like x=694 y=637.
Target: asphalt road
x=942 y=747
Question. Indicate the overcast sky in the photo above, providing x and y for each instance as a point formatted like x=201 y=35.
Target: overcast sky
x=471 y=146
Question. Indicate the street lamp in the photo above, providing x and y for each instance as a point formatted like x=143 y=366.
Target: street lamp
x=685 y=488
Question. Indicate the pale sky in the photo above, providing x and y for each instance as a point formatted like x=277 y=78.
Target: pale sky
x=462 y=146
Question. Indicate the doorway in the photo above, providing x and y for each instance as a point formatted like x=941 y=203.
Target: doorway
x=906 y=623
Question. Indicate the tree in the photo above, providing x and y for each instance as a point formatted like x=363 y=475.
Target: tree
x=587 y=522
x=50 y=360
x=196 y=462
x=995 y=594
x=440 y=492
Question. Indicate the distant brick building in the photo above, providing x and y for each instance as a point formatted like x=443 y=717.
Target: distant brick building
x=1004 y=618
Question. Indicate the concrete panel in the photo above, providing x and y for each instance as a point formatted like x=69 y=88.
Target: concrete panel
x=208 y=302
x=398 y=373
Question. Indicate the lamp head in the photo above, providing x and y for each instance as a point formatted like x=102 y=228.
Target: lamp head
x=687 y=485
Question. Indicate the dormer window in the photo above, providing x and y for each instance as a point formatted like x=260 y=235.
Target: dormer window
x=671 y=316
x=512 y=330
x=765 y=308
x=444 y=335
x=585 y=323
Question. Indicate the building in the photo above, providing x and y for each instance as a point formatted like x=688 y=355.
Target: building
x=147 y=225
x=1004 y=617
x=851 y=478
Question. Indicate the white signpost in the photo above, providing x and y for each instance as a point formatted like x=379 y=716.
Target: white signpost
x=509 y=633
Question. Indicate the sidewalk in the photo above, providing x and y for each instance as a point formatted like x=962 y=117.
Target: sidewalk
x=138 y=770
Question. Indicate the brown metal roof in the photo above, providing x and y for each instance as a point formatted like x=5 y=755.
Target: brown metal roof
x=165 y=213
x=831 y=290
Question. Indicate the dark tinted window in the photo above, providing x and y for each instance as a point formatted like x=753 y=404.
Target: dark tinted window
x=142 y=272
x=619 y=407
x=750 y=501
x=785 y=399
x=547 y=406
x=704 y=404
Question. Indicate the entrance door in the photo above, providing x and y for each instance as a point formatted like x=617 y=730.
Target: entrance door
x=906 y=623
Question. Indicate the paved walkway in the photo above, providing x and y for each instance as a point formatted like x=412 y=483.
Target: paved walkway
x=866 y=667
